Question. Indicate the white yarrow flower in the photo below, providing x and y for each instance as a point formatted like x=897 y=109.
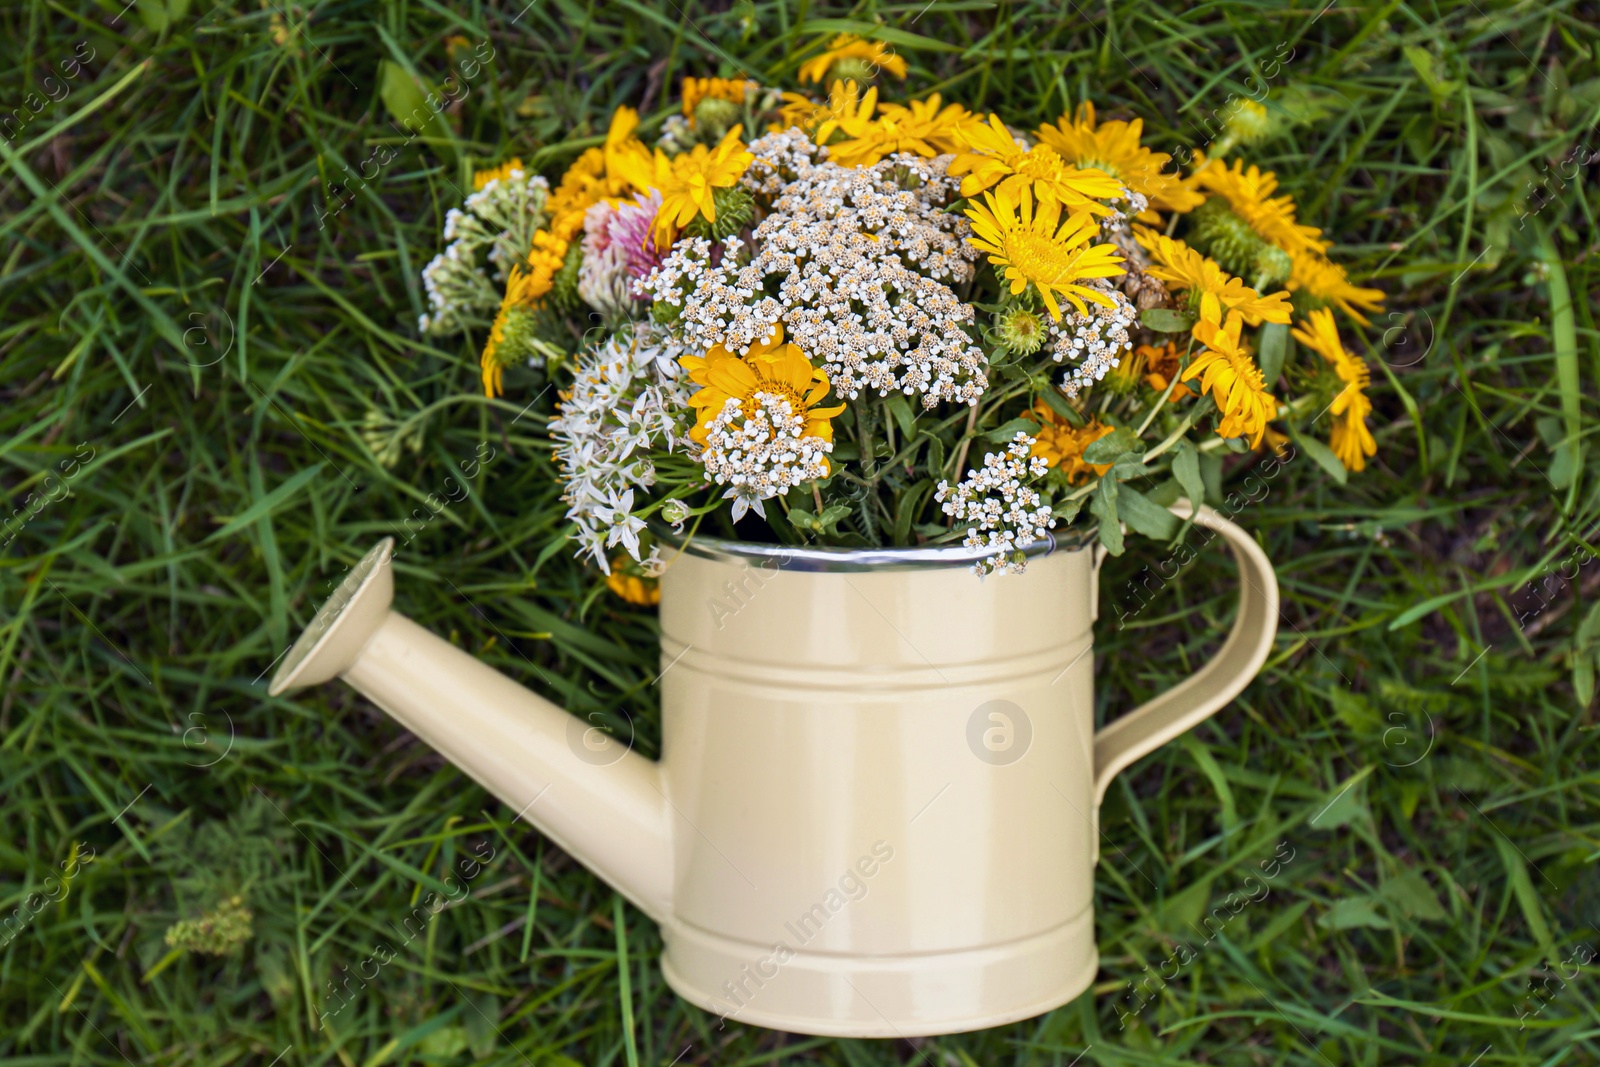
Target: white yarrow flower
x=1006 y=515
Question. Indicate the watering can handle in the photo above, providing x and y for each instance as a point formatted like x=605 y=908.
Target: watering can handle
x=1205 y=692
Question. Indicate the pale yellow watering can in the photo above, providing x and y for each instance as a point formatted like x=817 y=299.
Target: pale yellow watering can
x=876 y=811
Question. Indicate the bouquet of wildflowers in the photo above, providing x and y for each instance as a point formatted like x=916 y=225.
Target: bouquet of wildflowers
x=833 y=319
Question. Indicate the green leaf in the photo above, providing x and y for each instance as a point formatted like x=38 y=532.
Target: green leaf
x=446 y=1042
x=1067 y=510
x=1058 y=404
x=936 y=452
x=874 y=31
x=157 y=15
x=1274 y=347
x=1356 y=712
x=1279 y=925
x=909 y=503
x=478 y=1020
x=1208 y=765
x=267 y=504
x=1322 y=454
x=1112 y=446
x=901 y=410
x=1343 y=804
x=1415 y=898
x=1586 y=656
x=1103 y=505
x=1146 y=517
x=1211 y=474
x=1181 y=911
x=1166 y=320
x=1167 y=492
x=1352 y=912
x=1007 y=432
x=1186 y=468
x=1522 y=888
x=1430 y=71
x=825 y=525
x=406 y=99
x=1567 y=440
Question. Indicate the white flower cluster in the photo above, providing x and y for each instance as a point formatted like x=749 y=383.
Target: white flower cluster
x=1005 y=514
x=860 y=258
x=780 y=158
x=762 y=453
x=501 y=217
x=1093 y=343
x=627 y=398
x=676 y=135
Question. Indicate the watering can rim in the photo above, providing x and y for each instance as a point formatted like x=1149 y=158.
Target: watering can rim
x=832 y=559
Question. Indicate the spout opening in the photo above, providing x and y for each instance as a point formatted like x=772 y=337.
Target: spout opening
x=335 y=636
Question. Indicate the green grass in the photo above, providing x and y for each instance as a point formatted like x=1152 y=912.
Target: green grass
x=219 y=370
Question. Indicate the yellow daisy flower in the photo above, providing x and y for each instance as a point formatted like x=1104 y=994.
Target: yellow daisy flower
x=771 y=366
x=796 y=110
x=1113 y=147
x=1248 y=192
x=1326 y=282
x=697 y=89
x=1061 y=444
x=924 y=128
x=597 y=174
x=991 y=155
x=519 y=295
x=846 y=105
x=1184 y=269
x=1035 y=246
x=873 y=55
x=1227 y=372
x=1350 y=439
x=481 y=178
x=687 y=191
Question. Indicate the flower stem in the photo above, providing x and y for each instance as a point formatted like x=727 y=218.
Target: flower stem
x=966 y=440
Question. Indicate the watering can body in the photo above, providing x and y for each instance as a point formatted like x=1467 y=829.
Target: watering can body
x=876 y=812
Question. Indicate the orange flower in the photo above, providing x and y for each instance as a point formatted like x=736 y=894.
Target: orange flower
x=1161 y=366
x=1060 y=444
x=636 y=589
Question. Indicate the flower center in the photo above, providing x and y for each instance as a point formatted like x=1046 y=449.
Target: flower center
x=780 y=391
x=1040 y=162
x=1245 y=368
x=1038 y=256
x=1097 y=164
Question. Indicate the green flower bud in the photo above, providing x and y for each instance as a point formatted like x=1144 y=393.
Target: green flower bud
x=1237 y=248
x=853 y=68
x=1020 y=331
x=564 y=285
x=735 y=210
x=714 y=117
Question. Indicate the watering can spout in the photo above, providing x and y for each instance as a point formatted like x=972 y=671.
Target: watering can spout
x=603 y=803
